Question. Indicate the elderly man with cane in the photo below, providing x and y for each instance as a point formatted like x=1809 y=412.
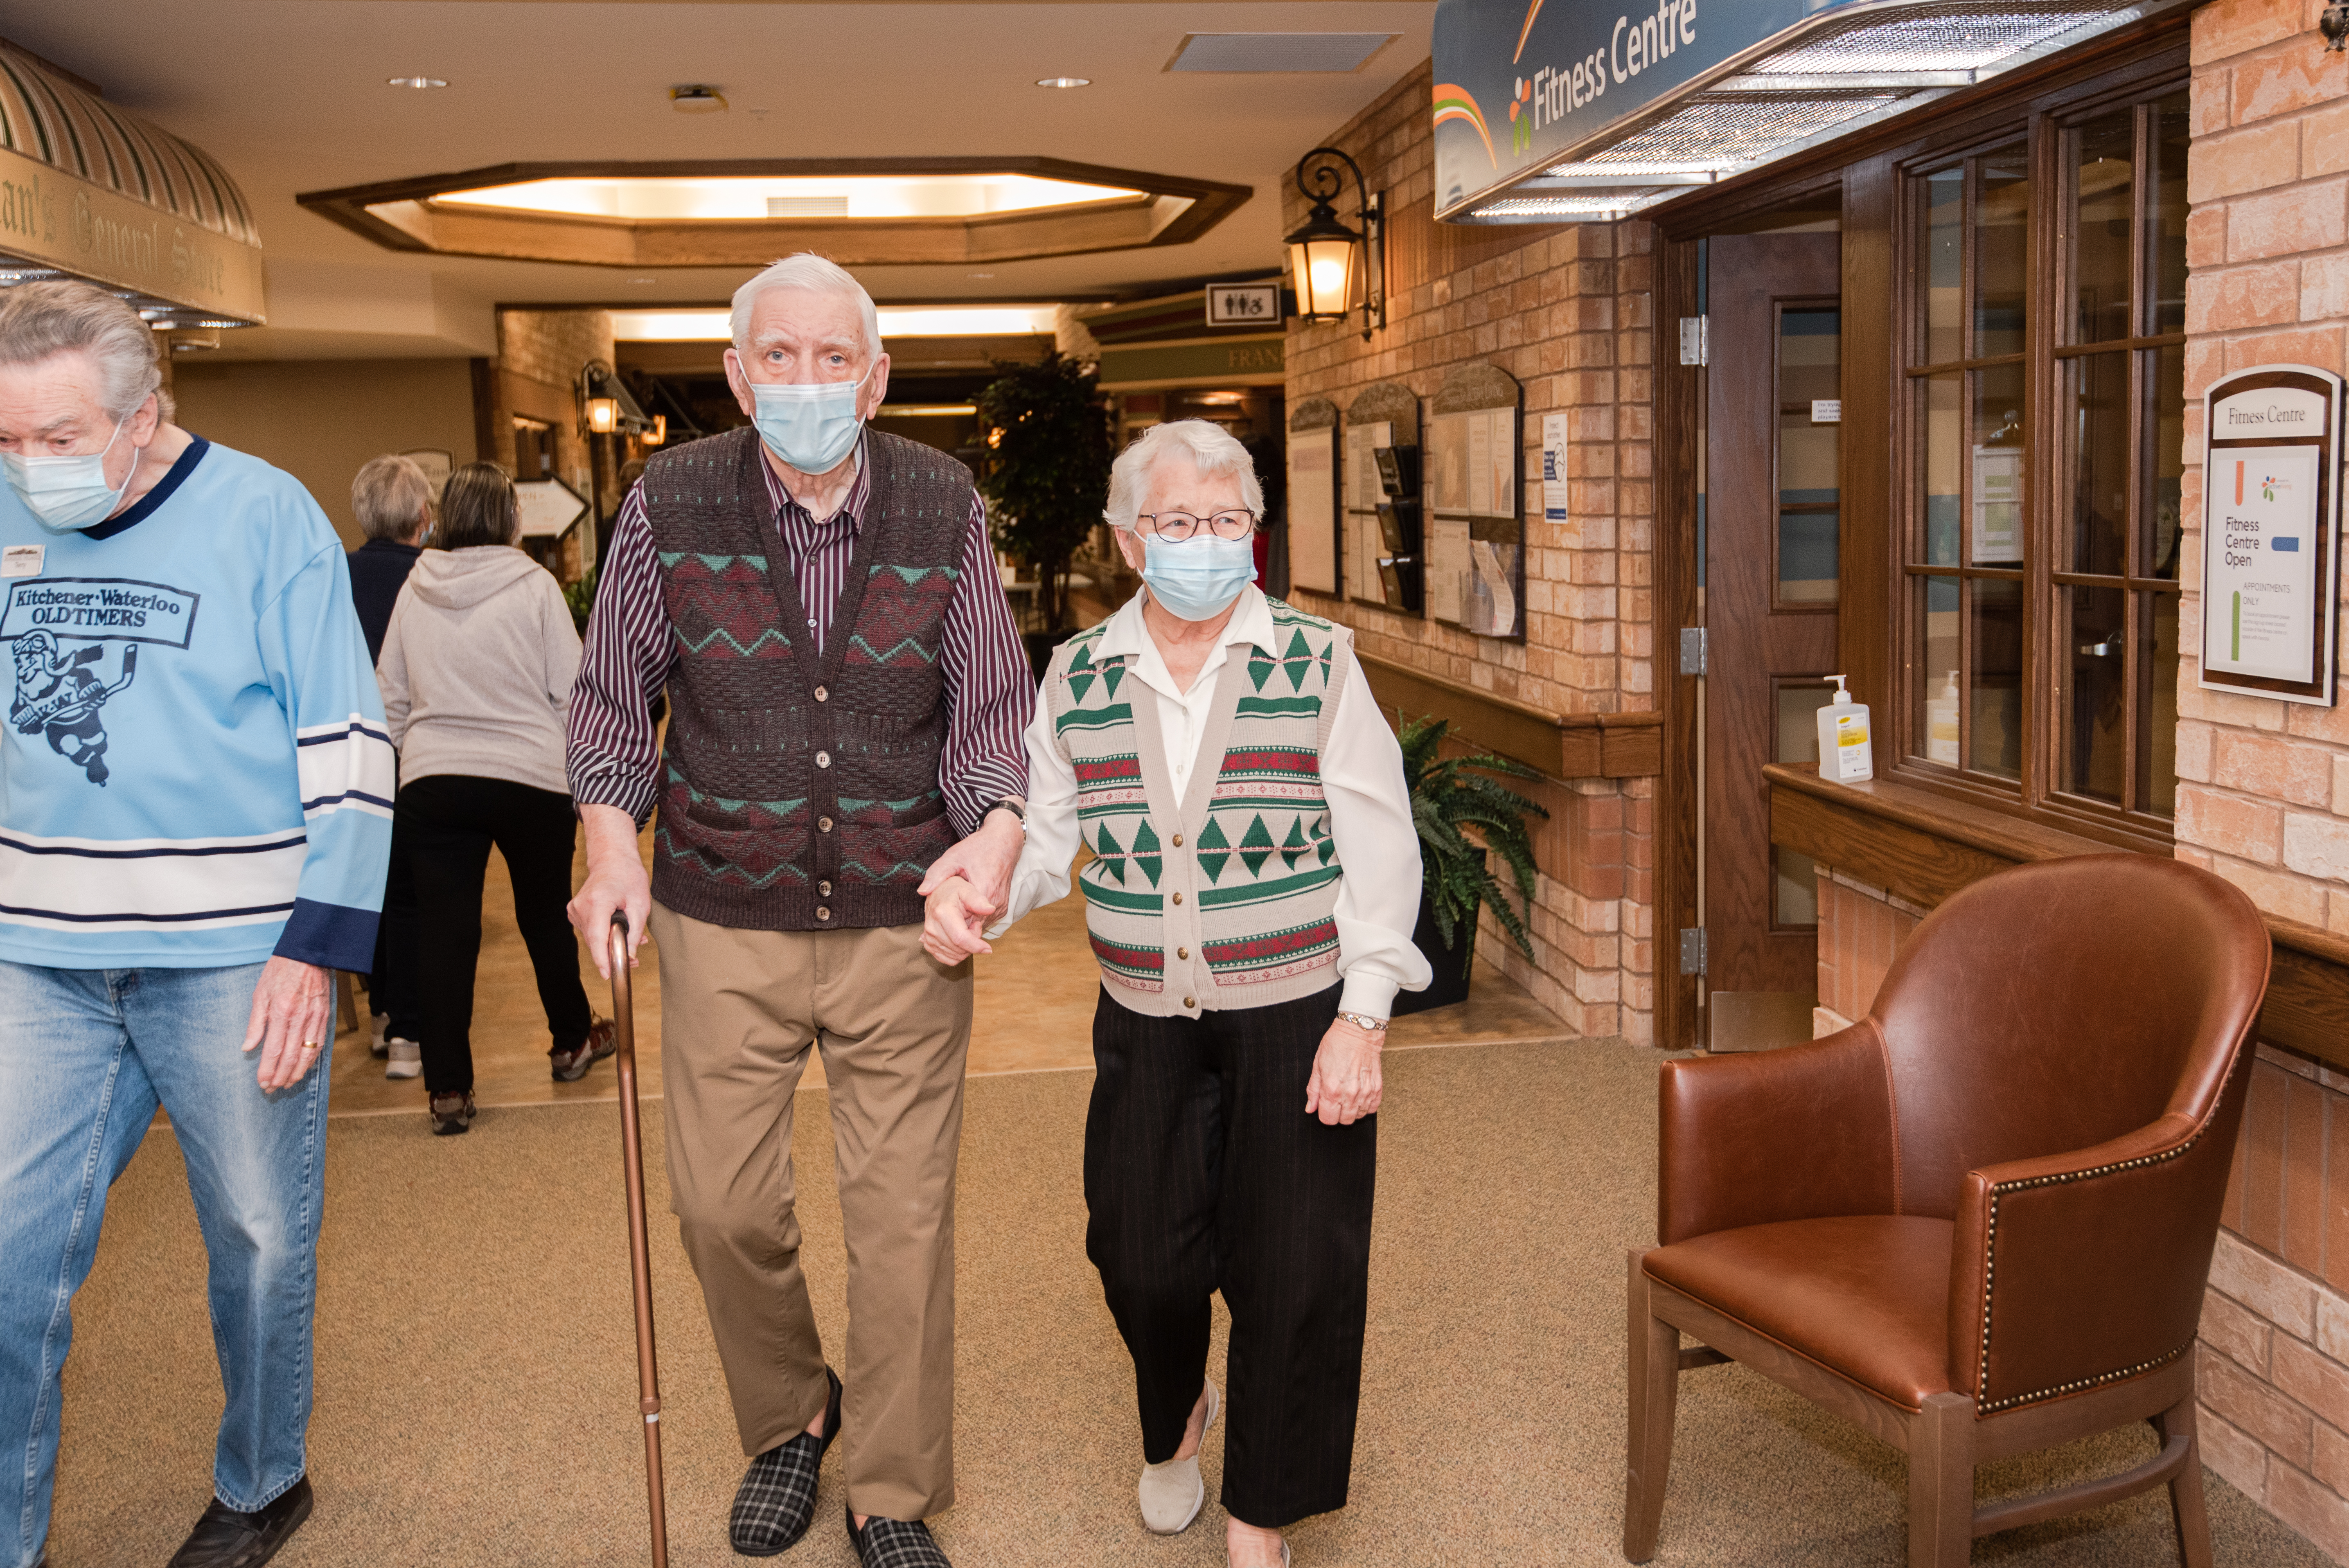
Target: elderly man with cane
x=1253 y=888
x=820 y=601
x=196 y=810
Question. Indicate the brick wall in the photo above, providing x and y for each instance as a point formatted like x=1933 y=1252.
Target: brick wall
x=2264 y=785
x=1567 y=311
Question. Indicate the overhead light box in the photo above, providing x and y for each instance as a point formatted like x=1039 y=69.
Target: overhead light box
x=710 y=325
x=1586 y=110
x=1294 y=53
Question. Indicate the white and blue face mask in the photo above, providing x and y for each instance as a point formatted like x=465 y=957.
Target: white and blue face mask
x=1198 y=579
x=809 y=425
x=69 y=492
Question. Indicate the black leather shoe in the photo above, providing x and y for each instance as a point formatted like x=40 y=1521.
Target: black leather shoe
x=894 y=1543
x=223 y=1538
x=776 y=1501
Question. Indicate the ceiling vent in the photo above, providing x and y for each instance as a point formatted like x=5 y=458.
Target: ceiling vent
x=1278 y=52
x=808 y=206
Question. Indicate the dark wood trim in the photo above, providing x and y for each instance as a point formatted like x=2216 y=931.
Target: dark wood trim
x=1557 y=745
x=637 y=243
x=1678 y=1024
x=487 y=447
x=1869 y=563
x=1922 y=846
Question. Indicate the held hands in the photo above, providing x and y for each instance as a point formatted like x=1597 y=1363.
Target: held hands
x=1346 y=1085
x=968 y=886
x=292 y=1017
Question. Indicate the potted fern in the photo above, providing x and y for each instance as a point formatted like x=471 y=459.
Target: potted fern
x=1448 y=796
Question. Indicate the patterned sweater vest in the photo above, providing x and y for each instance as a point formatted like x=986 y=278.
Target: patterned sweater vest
x=1225 y=898
x=800 y=792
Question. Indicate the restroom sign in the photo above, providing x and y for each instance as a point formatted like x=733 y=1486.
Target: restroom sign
x=2271 y=533
x=1244 y=304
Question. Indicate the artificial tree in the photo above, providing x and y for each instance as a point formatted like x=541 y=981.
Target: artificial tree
x=1045 y=470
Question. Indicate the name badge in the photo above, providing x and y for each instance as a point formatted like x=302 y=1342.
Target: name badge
x=21 y=559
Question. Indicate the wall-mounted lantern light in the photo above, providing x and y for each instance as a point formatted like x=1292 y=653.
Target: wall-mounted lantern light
x=658 y=435
x=605 y=403
x=1334 y=268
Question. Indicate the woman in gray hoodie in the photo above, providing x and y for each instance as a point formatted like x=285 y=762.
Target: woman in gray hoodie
x=476 y=675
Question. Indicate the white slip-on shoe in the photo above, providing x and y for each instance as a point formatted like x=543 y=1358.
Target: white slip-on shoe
x=379 y=1027
x=407 y=1059
x=1172 y=1493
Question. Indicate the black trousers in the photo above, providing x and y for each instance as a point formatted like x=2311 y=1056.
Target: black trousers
x=444 y=826
x=1203 y=1172
x=391 y=984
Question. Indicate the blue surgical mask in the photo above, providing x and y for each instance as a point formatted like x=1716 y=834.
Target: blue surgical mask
x=809 y=425
x=1197 y=579
x=70 y=492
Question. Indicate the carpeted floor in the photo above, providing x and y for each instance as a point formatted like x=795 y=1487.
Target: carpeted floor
x=476 y=1401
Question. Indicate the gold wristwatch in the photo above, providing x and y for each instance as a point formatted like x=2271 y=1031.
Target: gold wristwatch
x=1364 y=1021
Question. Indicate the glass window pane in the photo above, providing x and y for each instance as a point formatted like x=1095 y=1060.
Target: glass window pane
x=1795 y=892
x=2096 y=431
x=1940 y=678
x=2103 y=197
x=2095 y=648
x=2002 y=231
x=2164 y=439
x=1942 y=428
x=1999 y=470
x=2166 y=218
x=1810 y=355
x=1996 y=743
x=2156 y=704
x=1939 y=263
x=1807 y=559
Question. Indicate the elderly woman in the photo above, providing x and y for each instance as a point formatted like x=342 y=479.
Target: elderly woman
x=1253 y=883
x=477 y=669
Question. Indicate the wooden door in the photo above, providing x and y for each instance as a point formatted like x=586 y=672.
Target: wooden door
x=1772 y=522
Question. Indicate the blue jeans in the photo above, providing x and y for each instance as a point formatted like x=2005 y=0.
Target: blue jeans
x=86 y=1055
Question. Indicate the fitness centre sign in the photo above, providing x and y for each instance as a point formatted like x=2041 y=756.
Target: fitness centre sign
x=2271 y=533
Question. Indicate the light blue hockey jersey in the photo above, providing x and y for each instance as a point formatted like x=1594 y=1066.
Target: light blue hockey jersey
x=193 y=766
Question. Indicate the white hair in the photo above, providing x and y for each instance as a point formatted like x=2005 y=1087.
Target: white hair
x=1213 y=452
x=38 y=320
x=391 y=496
x=812 y=272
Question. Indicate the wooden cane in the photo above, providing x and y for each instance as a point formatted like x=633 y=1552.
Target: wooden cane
x=632 y=1164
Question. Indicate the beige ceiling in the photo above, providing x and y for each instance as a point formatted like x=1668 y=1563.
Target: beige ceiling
x=290 y=96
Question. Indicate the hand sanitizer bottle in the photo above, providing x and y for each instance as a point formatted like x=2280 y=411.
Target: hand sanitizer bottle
x=1844 y=754
x=1941 y=725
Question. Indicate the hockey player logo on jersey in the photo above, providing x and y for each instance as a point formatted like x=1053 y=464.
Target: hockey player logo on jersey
x=60 y=694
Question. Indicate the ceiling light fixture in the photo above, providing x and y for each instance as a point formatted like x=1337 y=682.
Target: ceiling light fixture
x=696 y=99
x=421 y=84
x=1064 y=81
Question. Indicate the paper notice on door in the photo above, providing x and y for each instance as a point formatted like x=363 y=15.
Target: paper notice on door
x=1998 y=504
x=2262 y=601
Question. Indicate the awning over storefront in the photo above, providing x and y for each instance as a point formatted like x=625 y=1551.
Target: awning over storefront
x=1588 y=110
x=89 y=191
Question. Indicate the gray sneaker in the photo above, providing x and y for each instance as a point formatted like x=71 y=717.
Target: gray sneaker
x=406 y=1060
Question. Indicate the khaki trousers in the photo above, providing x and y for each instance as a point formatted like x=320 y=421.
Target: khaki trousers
x=739 y=1011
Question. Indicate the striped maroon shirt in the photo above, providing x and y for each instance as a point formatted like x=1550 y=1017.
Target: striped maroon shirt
x=989 y=696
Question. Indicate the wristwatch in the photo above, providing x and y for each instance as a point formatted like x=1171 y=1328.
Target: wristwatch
x=1364 y=1021
x=1007 y=803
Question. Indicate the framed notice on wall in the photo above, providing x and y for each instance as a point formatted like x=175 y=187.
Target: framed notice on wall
x=2271 y=533
x=1313 y=510
x=1475 y=538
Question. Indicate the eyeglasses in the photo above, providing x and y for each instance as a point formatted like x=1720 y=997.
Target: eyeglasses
x=1175 y=527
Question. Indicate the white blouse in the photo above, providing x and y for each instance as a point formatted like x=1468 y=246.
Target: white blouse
x=1362 y=778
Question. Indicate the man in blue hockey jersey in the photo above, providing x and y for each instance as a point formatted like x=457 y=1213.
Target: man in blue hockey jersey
x=195 y=811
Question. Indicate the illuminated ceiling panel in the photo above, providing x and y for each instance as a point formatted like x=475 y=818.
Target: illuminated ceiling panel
x=758 y=199
x=896 y=321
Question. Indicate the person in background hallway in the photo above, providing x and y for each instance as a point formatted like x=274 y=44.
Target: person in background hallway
x=819 y=761
x=477 y=669
x=393 y=501
x=1255 y=882
x=192 y=833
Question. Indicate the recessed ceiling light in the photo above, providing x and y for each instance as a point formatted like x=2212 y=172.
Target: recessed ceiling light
x=640 y=280
x=696 y=100
x=1064 y=81
x=419 y=83
x=982 y=275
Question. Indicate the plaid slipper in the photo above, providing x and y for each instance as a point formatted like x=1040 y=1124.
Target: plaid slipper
x=894 y=1544
x=776 y=1500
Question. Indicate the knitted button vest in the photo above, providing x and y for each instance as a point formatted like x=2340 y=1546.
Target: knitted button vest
x=1226 y=898
x=800 y=792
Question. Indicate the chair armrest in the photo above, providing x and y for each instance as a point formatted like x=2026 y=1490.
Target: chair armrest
x=1801 y=1133
x=2075 y=1270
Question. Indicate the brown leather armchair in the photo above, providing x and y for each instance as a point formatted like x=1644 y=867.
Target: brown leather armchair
x=1978 y=1221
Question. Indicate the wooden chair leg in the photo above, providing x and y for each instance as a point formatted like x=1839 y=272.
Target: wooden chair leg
x=1653 y=1347
x=1941 y=1483
x=2186 y=1509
